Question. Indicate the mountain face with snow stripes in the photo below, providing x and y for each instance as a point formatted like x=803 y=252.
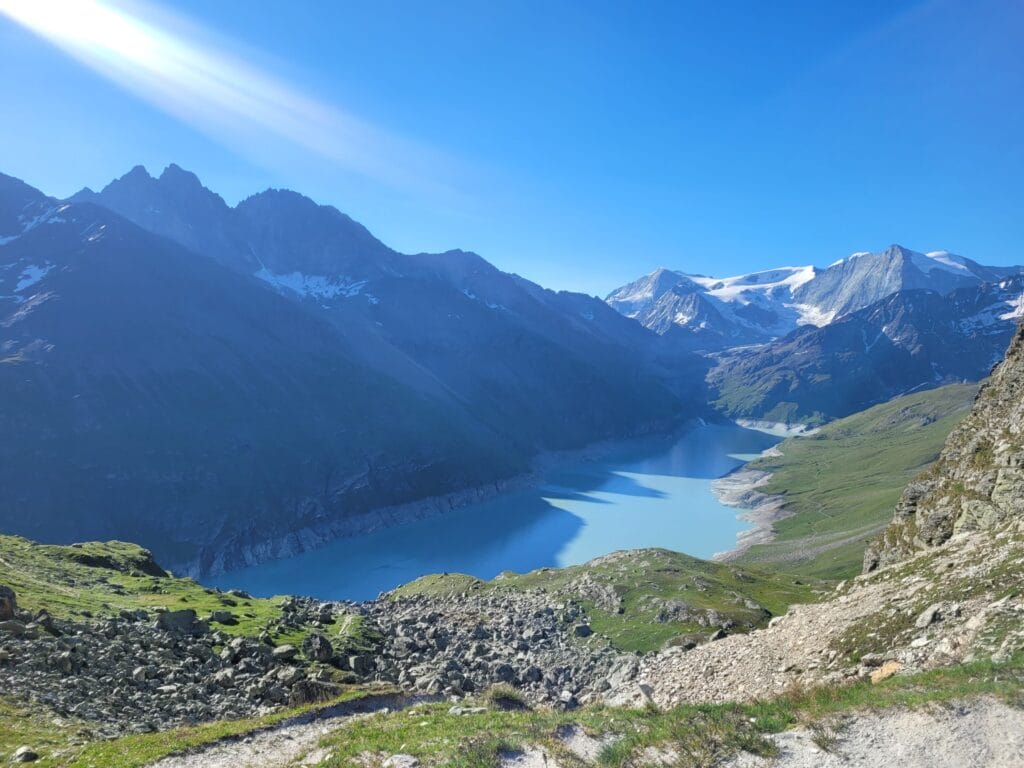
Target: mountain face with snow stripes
x=711 y=314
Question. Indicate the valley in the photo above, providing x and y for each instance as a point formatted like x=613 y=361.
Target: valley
x=649 y=493
x=413 y=486
x=511 y=385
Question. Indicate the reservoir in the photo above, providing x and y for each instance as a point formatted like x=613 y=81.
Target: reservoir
x=651 y=494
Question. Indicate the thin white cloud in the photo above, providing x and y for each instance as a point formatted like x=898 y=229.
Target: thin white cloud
x=181 y=68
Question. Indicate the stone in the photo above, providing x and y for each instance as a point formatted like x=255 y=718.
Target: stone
x=13 y=627
x=226 y=618
x=930 y=615
x=24 y=755
x=401 y=761
x=506 y=673
x=361 y=665
x=317 y=647
x=582 y=630
x=312 y=692
x=183 y=622
x=288 y=676
x=285 y=652
x=887 y=670
x=8 y=603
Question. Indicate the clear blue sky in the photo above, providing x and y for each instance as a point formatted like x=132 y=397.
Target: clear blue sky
x=582 y=144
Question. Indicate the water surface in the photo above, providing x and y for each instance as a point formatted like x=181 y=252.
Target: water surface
x=654 y=495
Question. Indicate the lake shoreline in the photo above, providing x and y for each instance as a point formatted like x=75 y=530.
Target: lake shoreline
x=739 y=489
x=283 y=545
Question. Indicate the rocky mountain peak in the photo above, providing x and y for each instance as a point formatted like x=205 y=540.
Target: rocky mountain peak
x=176 y=176
x=977 y=482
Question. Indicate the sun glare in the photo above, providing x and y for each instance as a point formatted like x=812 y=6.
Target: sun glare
x=174 y=65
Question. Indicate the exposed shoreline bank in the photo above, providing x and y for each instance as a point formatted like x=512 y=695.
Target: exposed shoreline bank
x=739 y=489
x=278 y=545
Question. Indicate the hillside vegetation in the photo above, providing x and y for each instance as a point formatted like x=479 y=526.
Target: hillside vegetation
x=841 y=483
x=642 y=599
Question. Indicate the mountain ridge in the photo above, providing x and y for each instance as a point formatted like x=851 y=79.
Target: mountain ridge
x=155 y=379
x=758 y=307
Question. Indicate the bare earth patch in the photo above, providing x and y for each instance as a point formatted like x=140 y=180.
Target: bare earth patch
x=984 y=732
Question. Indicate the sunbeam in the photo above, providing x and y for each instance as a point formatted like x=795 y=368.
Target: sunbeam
x=167 y=61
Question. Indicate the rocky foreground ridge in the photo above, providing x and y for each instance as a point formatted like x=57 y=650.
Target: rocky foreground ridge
x=137 y=650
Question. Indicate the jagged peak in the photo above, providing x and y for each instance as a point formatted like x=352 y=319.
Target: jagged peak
x=174 y=173
x=137 y=172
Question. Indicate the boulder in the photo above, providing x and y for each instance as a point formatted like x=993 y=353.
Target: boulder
x=887 y=670
x=8 y=603
x=285 y=652
x=13 y=627
x=183 y=622
x=362 y=665
x=312 y=692
x=931 y=614
x=24 y=755
x=317 y=647
x=401 y=761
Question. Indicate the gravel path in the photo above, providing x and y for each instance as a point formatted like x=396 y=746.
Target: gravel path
x=984 y=732
x=290 y=743
x=797 y=648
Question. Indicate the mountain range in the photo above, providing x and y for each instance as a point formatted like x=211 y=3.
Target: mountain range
x=803 y=344
x=226 y=384
x=711 y=314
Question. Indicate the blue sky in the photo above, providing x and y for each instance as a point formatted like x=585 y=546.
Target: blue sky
x=578 y=144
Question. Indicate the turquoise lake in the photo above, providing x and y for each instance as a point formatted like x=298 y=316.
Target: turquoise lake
x=654 y=495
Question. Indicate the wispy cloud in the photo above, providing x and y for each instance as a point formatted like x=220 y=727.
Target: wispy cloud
x=185 y=70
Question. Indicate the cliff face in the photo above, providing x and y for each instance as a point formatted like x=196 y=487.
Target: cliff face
x=978 y=480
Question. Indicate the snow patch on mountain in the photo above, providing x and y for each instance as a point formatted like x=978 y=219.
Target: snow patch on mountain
x=318 y=286
x=746 y=288
x=1016 y=309
x=808 y=314
x=31 y=275
x=945 y=260
x=28 y=222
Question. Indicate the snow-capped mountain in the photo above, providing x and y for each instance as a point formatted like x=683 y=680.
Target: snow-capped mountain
x=911 y=339
x=712 y=313
x=709 y=313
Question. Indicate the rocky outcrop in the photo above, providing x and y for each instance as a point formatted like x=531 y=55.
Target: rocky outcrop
x=8 y=603
x=977 y=482
x=134 y=673
x=137 y=672
x=953 y=603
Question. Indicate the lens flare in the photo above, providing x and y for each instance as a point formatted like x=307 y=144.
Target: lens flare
x=176 y=65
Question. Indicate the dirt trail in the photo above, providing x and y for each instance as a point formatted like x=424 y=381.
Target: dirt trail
x=984 y=732
x=292 y=742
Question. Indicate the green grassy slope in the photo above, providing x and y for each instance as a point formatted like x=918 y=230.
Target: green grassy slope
x=100 y=578
x=843 y=482
x=624 y=593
